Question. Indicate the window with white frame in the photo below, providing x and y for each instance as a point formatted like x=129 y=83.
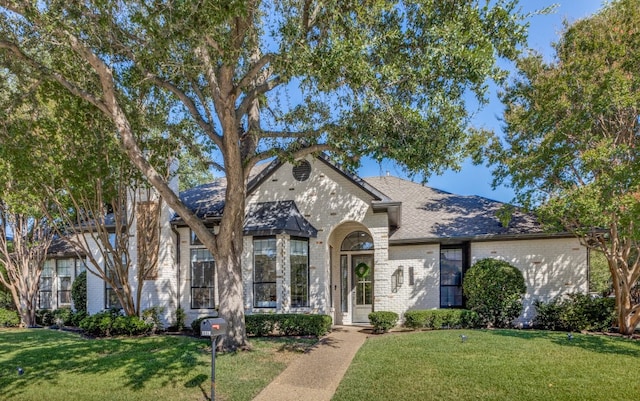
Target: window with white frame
x=64 y=271
x=202 y=279
x=299 y=261
x=264 y=272
x=45 y=298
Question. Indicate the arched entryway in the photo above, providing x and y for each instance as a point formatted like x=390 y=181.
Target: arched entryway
x=354 y=270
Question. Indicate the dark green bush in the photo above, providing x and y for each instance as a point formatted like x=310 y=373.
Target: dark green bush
x=441 y=318
x=575 y=312
x=9 y=318
x=111 y=323
x=260 y=325
x=77 y=317
x=287 y=324
x=6 y=300
x=45 y=317
x=383 y=321
x=79 y=292
x=62 y=316
x=494 y=289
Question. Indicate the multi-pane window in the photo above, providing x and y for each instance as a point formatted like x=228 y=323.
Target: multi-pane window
x=264 y=273
x=202 y=279
x=451 y=271
x=299 y=260
x=64 y=269
x=45 y=299
x=111 y=298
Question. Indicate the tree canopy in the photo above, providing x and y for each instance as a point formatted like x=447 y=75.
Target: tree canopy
x=260 y=79
x=572 y=142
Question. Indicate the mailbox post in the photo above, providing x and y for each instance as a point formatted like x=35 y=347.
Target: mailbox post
x=213 y=327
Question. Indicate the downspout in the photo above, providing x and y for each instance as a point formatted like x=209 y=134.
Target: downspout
x=177 y=233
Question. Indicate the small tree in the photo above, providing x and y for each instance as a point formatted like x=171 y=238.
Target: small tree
x=23 y=258
x=79 y=292
x=572 y=143
x=494 y=289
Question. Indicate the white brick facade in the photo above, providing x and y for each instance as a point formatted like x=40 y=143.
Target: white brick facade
x=406 y=277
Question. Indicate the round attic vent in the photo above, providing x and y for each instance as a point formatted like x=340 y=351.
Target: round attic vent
x=301 y=170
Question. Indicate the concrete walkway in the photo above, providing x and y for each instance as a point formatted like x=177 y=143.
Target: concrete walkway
x=315 y=375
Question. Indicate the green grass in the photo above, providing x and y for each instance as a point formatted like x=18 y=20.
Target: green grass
x=65 y=366
x=493 y=365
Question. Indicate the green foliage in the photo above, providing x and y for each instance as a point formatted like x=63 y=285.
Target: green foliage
x=575 y=312
x=572 y=139
x=6 y=300
x=287 y=324
x=9 y=318
x=441 y=318
x=112 y=323
x=152 y=316
x=180 y=319
x=63 y=316
x=79 y=292
x=494 y=289
x=383 y=321
x=599 y=274
x=44 y=317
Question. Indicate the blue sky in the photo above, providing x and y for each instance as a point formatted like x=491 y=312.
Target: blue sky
x=476 y=180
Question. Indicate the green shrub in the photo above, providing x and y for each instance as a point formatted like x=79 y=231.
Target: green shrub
x=6 y=300
x=79 y=292
x=441 y=318
x=494 y=289
x=575 y=312
x=45 y=317
x=260 y=325
x=9 y=318
x=62 y=316
x=152 y=316
x=180 y=319
x=77 y=317
x=112 y=323
x=287 y=324
x=383 y=321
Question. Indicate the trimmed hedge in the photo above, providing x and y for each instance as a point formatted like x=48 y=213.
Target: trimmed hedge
x=287 y=324
x=494 y=288
x=575 y=312
x=9 y=318
x=383 y=321
x=441 y=318
x=112 y=323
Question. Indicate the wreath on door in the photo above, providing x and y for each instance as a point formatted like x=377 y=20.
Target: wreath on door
x=362 y=269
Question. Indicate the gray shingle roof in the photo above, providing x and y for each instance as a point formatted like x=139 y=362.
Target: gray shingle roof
x=429 y=213
x=280 y=217
x=206 y=200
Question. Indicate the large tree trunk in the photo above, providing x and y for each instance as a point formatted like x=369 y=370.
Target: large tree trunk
x=627 y=313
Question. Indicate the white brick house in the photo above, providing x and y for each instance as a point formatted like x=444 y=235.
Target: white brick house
x=319 y=240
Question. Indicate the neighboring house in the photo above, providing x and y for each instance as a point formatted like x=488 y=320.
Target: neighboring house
x=319 y=240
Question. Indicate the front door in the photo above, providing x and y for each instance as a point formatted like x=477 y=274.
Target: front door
x=362 y=269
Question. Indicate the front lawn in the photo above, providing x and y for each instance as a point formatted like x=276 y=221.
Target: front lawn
x=493 y=365
x=65 y=366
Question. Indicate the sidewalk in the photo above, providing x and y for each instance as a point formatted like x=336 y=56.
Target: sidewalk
x=316 y=374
